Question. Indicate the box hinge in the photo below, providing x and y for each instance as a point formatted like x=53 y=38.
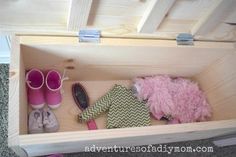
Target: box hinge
x=89 y=36
x=185 y=39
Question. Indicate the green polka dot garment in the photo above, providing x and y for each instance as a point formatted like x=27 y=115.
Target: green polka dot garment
x=124 y=109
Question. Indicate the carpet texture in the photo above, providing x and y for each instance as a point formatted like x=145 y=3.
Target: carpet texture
x=229 y=151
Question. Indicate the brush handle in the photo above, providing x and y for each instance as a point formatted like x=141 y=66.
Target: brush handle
x=92 y=125
x=82 y=102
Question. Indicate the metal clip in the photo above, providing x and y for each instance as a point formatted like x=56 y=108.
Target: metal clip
x=89 y=36
x=184 y=39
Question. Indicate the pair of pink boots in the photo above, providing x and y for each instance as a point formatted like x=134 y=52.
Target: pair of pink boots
x=44 y=89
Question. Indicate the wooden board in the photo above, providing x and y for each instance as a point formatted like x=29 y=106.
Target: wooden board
x=78 y=14
x=122 y=18
x=154 y=15
x=120 y=58
x=219 y=83
x=17 y=109
x=67 y=142
x=40 y=14
x=213 y=17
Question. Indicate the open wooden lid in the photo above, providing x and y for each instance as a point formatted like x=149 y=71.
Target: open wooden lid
x=165 y=19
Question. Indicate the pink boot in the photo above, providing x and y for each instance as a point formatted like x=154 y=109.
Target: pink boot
x=35 y=82
x=53 y=89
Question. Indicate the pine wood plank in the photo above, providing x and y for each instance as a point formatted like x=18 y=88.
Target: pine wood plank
x=65 y=142
x=216 y=14
x=126 y=61
x=15 y=123
x=153 y=15
x=78 y=14
x=218 y=81
x=114 y=18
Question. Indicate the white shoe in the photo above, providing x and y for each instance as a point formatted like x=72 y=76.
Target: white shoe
x=35 y=122
x=50 y=122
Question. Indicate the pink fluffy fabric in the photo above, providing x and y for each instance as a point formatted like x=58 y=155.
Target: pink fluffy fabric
x=178 y=97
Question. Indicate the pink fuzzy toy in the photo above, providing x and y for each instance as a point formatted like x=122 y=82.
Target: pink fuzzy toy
x=178 y=98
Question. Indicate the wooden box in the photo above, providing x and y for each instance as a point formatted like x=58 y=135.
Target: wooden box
x=98 y=66
x=133 y=43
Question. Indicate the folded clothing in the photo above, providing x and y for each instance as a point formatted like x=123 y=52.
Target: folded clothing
x=124 y=109
x=177 y=99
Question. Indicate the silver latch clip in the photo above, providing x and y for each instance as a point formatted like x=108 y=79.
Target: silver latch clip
x=185 y=39
x=89 y=35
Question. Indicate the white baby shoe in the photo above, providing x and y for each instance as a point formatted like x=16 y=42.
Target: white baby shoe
x=50 y=122
x=35 y=122
x=41 y=121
